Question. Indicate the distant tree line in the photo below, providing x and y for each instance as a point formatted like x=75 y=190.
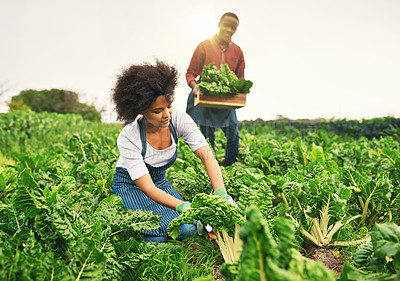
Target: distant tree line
x=53 y=100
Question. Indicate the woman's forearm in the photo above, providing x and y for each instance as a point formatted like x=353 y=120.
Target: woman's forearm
x=210 y=163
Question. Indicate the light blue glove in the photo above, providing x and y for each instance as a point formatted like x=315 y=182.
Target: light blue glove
x=198 y=224
x=199 y=227
x=221 y=192
x=183 y=206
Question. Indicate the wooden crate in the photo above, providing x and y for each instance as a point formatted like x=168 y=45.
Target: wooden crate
x=226 y=101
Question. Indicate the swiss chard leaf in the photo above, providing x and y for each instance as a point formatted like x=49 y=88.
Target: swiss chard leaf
x=219 y=82
x=209 y=209
x=263 y=258
x=88 y=261
x=28 y=197
x=386 y=240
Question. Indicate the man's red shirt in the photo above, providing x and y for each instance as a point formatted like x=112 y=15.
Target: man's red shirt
x=210 y=51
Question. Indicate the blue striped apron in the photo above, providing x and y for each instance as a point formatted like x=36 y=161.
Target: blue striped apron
x=133 y=198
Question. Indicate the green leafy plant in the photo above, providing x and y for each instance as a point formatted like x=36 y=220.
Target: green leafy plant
x=58 y=219
x=382 y=251
x=209 y=209
x=322 y=200
x=264 y=258
x=374 y=196
x=219 y=82
x=248 y=186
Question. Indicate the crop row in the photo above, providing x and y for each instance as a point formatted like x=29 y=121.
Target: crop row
x=59 y=221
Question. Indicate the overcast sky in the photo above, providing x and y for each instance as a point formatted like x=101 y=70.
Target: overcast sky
x=307 y=59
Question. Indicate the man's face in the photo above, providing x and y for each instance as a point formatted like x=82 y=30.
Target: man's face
x=227 y=27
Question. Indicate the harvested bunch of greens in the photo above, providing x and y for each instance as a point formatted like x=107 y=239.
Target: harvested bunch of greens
x=219 y=82
x=221 y=215
x=209 y=209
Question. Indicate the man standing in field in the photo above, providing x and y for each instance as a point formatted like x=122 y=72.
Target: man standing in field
x=218 y=49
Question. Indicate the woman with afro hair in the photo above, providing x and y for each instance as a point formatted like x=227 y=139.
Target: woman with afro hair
x=143 y=97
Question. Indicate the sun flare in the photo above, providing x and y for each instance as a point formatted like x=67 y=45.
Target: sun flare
x=204 y=25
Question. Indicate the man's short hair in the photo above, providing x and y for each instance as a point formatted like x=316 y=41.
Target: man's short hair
x=229 y=14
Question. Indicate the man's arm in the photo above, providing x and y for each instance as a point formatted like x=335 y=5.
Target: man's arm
x=240 y=66
x=195 y=66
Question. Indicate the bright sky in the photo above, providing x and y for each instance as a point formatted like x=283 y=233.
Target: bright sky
x=307 y=58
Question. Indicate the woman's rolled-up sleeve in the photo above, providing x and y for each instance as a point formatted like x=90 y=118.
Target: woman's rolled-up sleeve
x=188 y=131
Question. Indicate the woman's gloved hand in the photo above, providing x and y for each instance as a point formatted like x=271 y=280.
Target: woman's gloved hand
x=198 y=224
x=221 y=192
x=183 y=206
x=199 y=227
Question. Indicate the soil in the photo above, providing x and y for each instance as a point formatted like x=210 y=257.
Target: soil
x=327 y=256
x=217 y=275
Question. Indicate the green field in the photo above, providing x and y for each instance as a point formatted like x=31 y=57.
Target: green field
x=327 y=184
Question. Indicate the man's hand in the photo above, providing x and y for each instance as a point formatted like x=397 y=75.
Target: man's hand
x=196 y=92
x=195 y=89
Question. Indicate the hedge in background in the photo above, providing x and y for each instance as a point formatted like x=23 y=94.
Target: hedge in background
x=54 y=100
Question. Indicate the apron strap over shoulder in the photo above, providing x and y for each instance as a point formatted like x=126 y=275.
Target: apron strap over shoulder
x=142 y=126
x=173 y=132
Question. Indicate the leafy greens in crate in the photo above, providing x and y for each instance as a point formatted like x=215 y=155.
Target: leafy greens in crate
x=219 y=82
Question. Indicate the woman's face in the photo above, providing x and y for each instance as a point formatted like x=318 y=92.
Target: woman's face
x=159 y=114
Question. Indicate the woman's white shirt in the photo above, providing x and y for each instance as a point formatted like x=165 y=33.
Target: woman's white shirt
x=130 y=145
